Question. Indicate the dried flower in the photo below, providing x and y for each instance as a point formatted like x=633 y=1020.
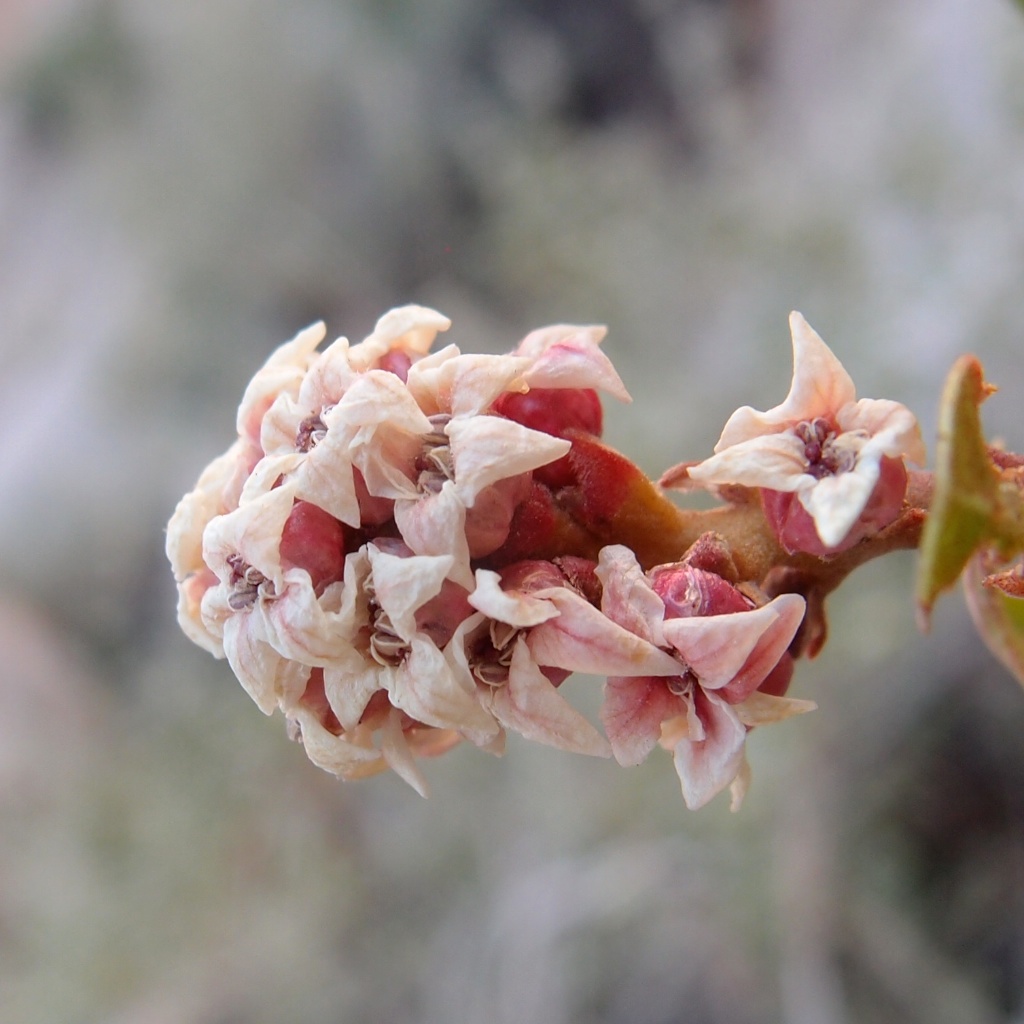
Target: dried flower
x=831 y=468
x=700 y=712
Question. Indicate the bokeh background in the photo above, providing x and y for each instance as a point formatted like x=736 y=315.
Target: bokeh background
x=184 y=185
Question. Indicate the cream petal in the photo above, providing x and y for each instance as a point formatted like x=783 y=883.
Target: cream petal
x=764 y=709
x=777 y=461
x=412 y=329
x=425 y=689
x=435 y=524
x=335 y=754
x=403 y=585
x=529 y=705
x=486 y=449
x=252 y=531
x=836 y=502
x=282 y=372
x=820 y=387
x=395 y=748
x=349 y=686
x=892 y=429
x=255 y=663
x=567 y=356
x=465 y=385
x=297 y=627
x=509 y=606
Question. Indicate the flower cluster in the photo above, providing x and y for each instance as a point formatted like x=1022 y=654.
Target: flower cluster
x=388 y=555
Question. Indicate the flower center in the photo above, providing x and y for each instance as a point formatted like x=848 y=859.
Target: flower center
x=434 y=463
x=247 y=584
x=312 y=430
x=826 y=455
x=682 y=686
x=490 y=656
x=386 y=647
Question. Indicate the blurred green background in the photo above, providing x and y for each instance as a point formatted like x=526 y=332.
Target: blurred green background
x=184 y=185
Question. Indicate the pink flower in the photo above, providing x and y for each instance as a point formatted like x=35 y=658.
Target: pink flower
x=831 y=468
x=531 y=631
x=701 y=712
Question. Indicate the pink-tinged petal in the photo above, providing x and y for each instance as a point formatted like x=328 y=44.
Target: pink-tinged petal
x=466 y=384
x=335 y=754
x=191 y=592
x=891 y=428
x=770 y=647
x=764 y=709
x=512 y=606
x=395 y=748
x=584 y=639
x=836 y=502
x=411 y=329
x=489 y=520
x=486 y=449
x=706 y=766
x=436 y=525
x=529 y=705
x=184 y=545
x=778 y=461
x=425 y=689
x=282 y=372
x=567 y=356
x=628 y=597
x=267 y=475
x=717 y=647
x=403 y=585
x=820 y=387
x=632 y=713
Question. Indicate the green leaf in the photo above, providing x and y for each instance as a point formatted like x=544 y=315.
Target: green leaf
x=998 y=617
x=966 y=507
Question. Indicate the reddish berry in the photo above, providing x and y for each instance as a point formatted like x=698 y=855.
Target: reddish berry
x=315 y=541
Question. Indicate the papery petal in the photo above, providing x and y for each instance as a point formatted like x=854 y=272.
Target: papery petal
x=382 y=427
x=403 y=585
x=395 y=749
x=705 y=767
x=435 y=524
x=349 y=684
x=891 y=428
x=297 y=626
x=628 y=597
x=336 y=754
x=583 y=639
x=253 y=531
x=256 y=664
x=717 y=647
x=820 y=387
x=425 y=689
x=529 y=705
x=770 y=647
x=486 y=449
x=466 y=384
x=632 y=713
x=512 y=606
x=765 y=709
x=567 y=356
x=412 y=329
x=282 y=372
x=836 y=502
x=778 y=461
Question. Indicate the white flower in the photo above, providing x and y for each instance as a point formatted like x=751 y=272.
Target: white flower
x=821 y=443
